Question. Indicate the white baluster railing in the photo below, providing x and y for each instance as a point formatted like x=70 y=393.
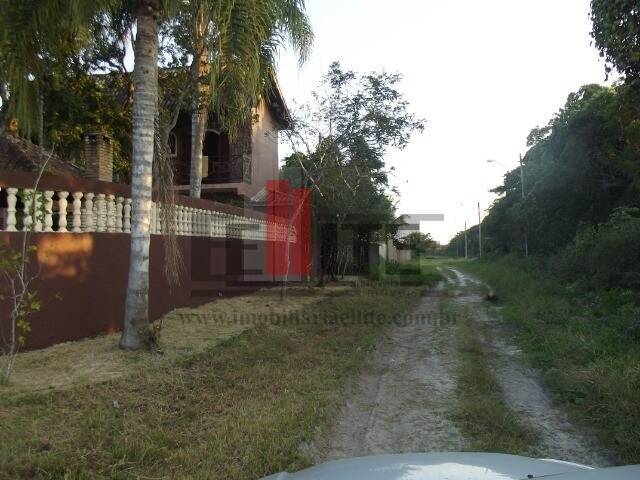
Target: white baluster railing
x=88 y=224
x=11 y=209
x=127 y=215
x=27 y=221
x=100 y=213
x=62 y=211
x=111 y=213
x=119 y=206
x=77 y=212
x=86 y=212
x=38 y=211
x=48 y=210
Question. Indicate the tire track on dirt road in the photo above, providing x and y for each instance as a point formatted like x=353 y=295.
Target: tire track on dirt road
x=404 y=397
x=400 y=402
x=523 y=389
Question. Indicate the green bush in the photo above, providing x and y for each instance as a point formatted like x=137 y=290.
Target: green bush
x=605 y=256
x=413 y=273
x=392 y=267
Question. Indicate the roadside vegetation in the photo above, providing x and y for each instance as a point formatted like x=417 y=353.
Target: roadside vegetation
x=235 y=409
x=574 y=202
x=339 y=156
x=419 y=271
x=587 y=344
x=560 y=242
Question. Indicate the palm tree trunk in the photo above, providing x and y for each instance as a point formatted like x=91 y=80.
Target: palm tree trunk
x=198 y=125
x=200 y=113
x=136 y=333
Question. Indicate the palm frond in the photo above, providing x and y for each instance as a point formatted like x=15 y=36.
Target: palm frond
x=37 y=36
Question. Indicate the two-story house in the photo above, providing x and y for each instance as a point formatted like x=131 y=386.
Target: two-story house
x=239 y=168
x=233 y=171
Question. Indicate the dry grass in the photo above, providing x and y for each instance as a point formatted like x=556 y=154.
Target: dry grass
x=185 y=331
x=229 y=409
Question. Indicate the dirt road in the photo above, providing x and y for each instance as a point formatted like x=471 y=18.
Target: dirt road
x=404 y=399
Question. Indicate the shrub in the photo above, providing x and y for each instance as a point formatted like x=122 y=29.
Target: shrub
x=606 y=255
x=392 y=267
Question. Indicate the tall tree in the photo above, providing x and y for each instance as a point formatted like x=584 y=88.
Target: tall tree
x=36 y=41
x=242 y=47
x=616 y=31
x=238 y=63
x=137 y=333
x=340 y=140
x=233 y=45
x=200 y=112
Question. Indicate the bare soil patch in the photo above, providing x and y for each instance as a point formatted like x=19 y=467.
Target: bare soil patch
x=400 y=401
x=404 y=399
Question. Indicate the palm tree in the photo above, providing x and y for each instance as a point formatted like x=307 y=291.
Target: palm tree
x=136 y=332
x=247 y=34
x=34 y=31
x=233 y=46
x=200 y=71
x=35 y=39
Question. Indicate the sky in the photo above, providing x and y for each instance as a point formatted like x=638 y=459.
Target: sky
x=482 y=74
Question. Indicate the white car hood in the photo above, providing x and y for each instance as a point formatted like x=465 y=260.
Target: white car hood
x=455 y=466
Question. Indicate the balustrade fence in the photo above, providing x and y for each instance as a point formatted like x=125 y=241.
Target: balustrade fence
x=56 y=210
x=73 y=272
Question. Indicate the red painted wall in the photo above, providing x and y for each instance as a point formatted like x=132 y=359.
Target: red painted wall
x=82 y=279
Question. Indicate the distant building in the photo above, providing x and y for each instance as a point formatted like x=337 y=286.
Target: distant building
x=406 y=225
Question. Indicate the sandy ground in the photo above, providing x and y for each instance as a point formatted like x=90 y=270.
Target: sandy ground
x=403 y=399
x=399 y=403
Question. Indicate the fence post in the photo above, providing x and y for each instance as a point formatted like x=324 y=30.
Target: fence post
x=48 y=210
x=62 y=211
x=77 y=204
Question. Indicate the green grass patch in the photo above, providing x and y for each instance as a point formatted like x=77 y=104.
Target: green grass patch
x=418 y=272
x=586 y=344
x=480 y=411
x=239 y=410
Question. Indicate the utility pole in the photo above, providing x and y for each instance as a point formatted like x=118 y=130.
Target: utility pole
x=526 y=225
x=479 y=232
x=466 y=245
